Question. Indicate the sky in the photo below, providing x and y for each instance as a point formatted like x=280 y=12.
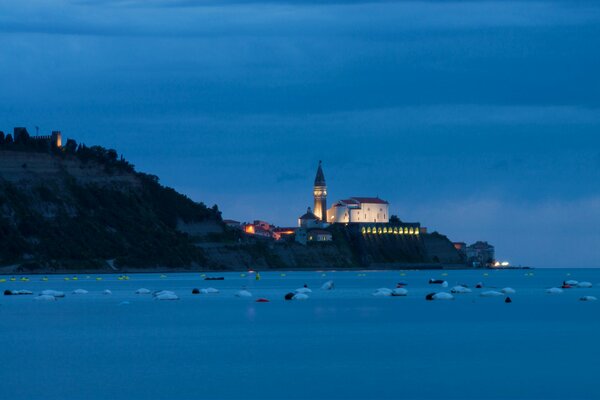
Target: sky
x=479 y=119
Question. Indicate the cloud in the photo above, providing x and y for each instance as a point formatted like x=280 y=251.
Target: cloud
x=276 y=19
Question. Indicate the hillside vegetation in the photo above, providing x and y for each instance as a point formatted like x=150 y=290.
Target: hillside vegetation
x=76 y=207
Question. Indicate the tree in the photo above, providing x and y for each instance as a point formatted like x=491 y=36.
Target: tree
x=395 y=220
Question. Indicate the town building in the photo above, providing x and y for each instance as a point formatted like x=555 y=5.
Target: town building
x=481 y=254
x=319 y=235
x=359 y=210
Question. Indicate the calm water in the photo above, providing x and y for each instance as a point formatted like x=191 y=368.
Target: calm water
x=343 y=343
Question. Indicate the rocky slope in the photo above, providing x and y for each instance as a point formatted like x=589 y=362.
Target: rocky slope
x=79 y=210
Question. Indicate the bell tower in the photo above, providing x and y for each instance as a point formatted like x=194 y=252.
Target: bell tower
x=320 y=193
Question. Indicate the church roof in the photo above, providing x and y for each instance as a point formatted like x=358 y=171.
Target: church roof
x=372 y=200
x=320 y=178
x=309 y=215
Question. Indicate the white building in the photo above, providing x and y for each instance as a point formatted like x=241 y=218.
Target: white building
x=359 y=210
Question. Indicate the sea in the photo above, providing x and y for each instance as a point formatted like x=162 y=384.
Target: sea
x=343 y=343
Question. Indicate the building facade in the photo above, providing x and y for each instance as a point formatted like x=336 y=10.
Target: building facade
x=359 y=210
x=481 y=254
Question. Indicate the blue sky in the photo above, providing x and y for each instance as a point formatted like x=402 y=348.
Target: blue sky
x=479 y=119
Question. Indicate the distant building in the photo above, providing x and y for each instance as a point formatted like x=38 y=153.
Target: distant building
x=481 y=254
x=359 y=210
x=308 y=220
x=232 y=223
x=320 y=195
x=319 y=235
x=21 y=135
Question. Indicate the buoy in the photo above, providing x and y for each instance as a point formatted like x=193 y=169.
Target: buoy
x=479 y=285
x=584 y=285
x=209 y=290
x=167 y=296
x=300 y=296
x=195 y=291
x=142 y=291
x=45 y=297
x=80 y=291
x=439 y=296
x=491 y=293
x=161 y=292
x=8 y=292
x=328 y=285
x=571 y=282
x=436 y=281
x=107 y=292
x=289 y=296
x=554 y=290
x=399 y=292
x=303 y=290
x=588 y=298
x=508 y=300
x=382 y=292
x=460 y=289
x=243 y=293
x=53 y=293
x=508 y=290
x=262 y=300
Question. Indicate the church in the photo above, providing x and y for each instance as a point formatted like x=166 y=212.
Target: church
x=351 y=210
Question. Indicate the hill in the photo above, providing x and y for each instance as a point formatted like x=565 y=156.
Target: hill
x=80 y=208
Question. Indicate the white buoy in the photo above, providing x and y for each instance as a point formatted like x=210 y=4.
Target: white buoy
x=303 y=290
x=508 y=290
x=382 y=292
x=572 y=282
x=443 y=296
x=243 y=293
x=399 y=292
x=53 y=293
x=142 y=291
x=491 y=293
x=327 y=285
x=209 y=290
x=80 y=291
x=584 y=285
x=123 y=303
x=460 y=289
x=167 y=296
x=107 y=292
x=554 y=290
x=20 y=292
x=45 y=297
x=588 y=298
x=445 y=284
x=161 y=292
x=300 y=296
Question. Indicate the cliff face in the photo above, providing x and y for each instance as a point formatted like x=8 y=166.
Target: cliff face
x=67 y=211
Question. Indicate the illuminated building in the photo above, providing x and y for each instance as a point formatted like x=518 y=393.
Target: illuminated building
x=320 y=195
x=359 y=210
